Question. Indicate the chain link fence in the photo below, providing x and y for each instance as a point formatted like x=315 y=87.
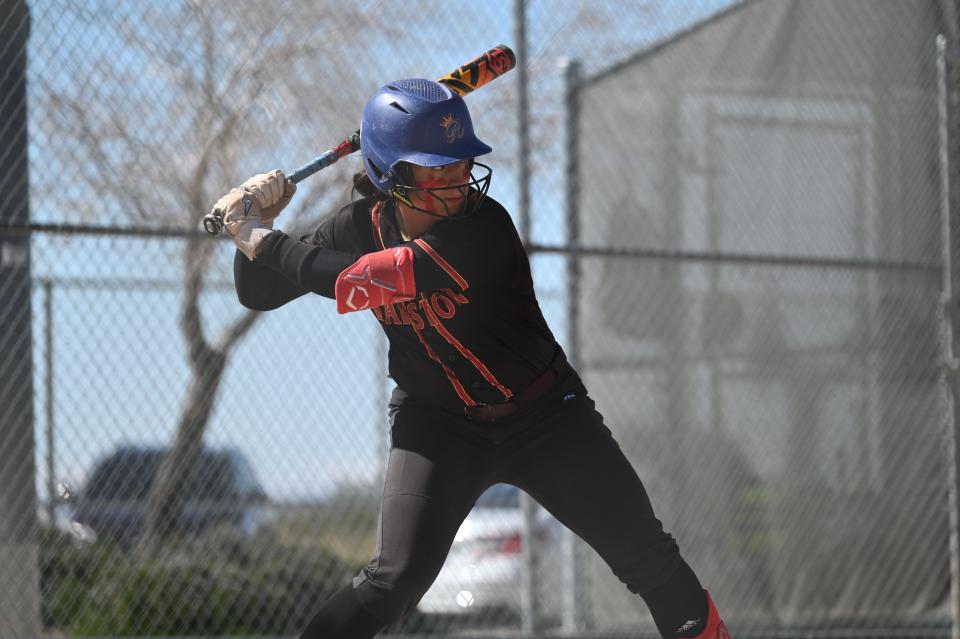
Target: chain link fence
x=760 y=312
x=742 y=227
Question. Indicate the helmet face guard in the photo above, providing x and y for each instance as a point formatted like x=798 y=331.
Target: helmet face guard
x=418 y=122
x=473 y=192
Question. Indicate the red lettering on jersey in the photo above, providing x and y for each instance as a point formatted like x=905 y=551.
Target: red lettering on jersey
x=442 y=305
x=457 y=297
x=377 y=313
x=415 y=319
x=402 y=312
x=390 y=315
x=425 y=307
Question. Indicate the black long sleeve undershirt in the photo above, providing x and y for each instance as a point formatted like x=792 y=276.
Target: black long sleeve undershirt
x=285 y=269
x=260 y=288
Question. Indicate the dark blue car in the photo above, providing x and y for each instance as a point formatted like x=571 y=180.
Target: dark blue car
x=221 y=492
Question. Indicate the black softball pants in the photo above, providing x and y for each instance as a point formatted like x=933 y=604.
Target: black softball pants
x=560 y=453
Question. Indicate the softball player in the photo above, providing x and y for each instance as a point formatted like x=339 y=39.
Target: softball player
x=483 y=392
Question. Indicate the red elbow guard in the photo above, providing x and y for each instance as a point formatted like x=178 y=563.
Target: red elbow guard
x=376 y=279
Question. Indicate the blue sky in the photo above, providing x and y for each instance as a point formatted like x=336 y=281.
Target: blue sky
x=304 y=394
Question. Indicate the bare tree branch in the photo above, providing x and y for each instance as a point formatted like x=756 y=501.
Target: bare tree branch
x=236 y=331
x=104 y=172
x=196 y=254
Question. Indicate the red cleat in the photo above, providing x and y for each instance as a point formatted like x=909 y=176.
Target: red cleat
x=715 y=629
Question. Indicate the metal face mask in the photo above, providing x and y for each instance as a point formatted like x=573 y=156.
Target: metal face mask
x=439 y=197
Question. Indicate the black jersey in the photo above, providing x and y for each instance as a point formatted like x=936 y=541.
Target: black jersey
x=473 y=334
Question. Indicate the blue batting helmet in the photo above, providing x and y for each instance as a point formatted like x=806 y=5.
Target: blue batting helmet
x=416 y=121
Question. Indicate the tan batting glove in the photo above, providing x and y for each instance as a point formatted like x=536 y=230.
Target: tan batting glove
x=249 y=210
x=271 y=192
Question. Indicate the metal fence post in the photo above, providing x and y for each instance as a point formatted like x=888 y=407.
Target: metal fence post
x=530 y=617
x=20 y=593
x=523 y=133
x=949 y=365
x=48 y=399
x=576 y=606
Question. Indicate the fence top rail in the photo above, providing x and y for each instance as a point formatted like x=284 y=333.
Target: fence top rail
x=27 y=228
x=759 y=259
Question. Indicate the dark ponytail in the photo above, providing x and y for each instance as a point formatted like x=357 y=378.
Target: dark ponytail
x=364 y=186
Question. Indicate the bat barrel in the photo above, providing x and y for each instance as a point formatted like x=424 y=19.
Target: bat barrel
x=481 y=70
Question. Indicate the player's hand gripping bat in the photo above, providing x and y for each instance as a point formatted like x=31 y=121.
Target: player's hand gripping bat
x=463 y=80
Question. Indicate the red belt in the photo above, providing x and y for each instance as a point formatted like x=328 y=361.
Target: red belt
x=533 y=392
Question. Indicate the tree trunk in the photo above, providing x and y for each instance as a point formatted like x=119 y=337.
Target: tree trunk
x=165 y=503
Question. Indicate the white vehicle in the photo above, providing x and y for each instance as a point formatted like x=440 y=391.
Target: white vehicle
x=483 y=573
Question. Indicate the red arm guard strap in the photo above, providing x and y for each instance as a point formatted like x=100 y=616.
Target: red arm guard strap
x=376 y=279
